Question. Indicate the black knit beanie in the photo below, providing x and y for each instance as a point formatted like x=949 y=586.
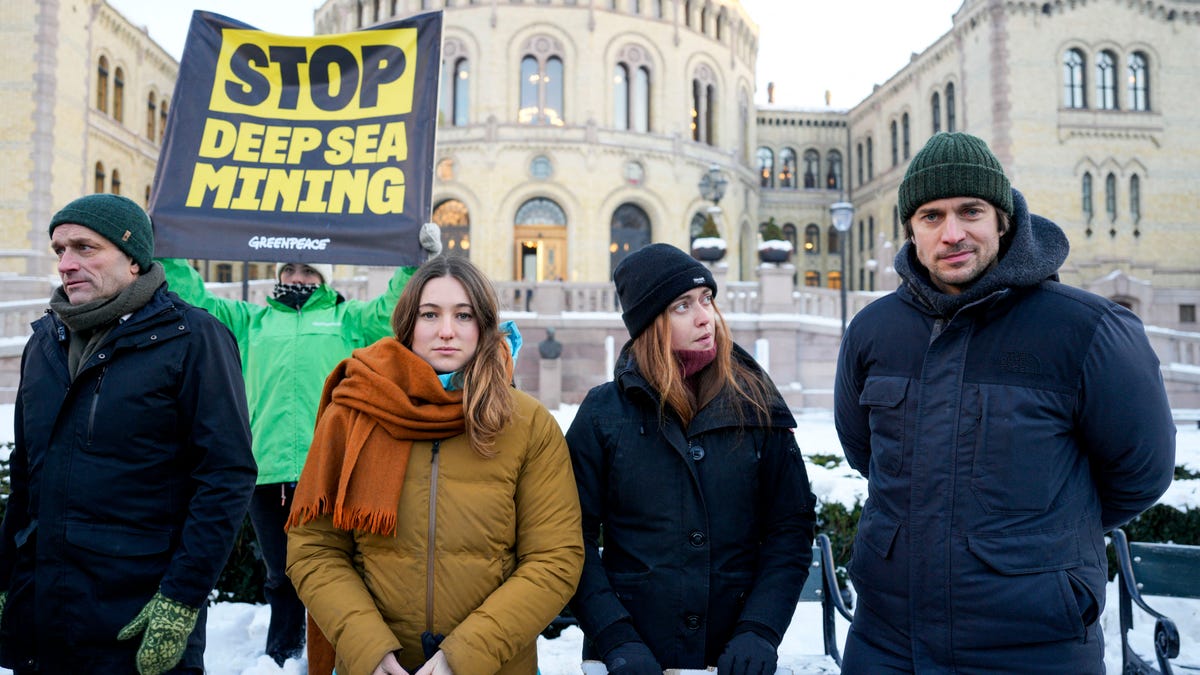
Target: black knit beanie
x=117 y=219
x=650 y=278
x=954 y=165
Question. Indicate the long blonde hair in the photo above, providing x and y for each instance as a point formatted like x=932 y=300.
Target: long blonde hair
x=484 y=380
x=657 y=363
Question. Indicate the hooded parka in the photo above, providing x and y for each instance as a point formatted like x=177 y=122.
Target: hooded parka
x=132 y=478
x=486 y=551
x=1003 y=431
x=707 y=530
x=286 y=355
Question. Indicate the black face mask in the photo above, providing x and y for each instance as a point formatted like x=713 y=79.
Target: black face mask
x=293 y=295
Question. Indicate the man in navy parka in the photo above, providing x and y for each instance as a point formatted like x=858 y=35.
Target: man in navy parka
x=1004 y=422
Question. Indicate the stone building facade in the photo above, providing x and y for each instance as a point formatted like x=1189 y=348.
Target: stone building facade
x=87 y=95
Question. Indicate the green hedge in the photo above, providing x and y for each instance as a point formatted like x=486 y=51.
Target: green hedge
x=242 y=579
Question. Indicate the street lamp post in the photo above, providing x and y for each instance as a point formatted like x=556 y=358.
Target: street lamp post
x=843 y=217
x=712 y=184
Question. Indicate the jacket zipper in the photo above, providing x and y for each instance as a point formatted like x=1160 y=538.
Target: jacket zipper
x=95 y=404
x=430 y=539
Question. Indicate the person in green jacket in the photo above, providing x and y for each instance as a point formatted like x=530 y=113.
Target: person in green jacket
x=288 y=347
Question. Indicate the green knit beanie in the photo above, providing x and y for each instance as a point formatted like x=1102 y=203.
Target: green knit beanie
x=117 y=219
x=954 y=165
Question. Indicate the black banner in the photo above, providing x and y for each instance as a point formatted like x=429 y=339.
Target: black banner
x=304 y=149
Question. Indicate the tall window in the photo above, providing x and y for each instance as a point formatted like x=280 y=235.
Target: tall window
x=102 y=85
x=456 y=90
x=859 y=149
x=895 y=129
x=1085 y=195
x=766 y=167
x=1139 y=82
x=812 y=239
x=935 y=109
x=455 y=220
x=835 y=280
x=541 y=85
x=1110 y=196
x=704 y=103
x=151 y=115
x=833 y=177
x=116 y=182
x=1073 y=80
x=98 y=178
x=812 y=168
x=629 y=230
x=812 y=278
x=162 y=120
x=787 y=168
x=1106 y=81
x=833 y=239
x=950 y=121
x=870 y=159
x=905 y=132
x=631 y=91
x=119 y=95
x=1135 y=199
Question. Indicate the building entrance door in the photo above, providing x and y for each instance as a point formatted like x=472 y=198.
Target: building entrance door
x=540 y=253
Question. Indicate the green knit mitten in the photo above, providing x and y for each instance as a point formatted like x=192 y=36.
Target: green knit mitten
x=165 y=626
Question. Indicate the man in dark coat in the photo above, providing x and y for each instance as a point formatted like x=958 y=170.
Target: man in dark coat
x=1004 y=422
x=132 y=468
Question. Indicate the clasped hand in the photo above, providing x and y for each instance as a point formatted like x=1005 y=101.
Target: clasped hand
x=435 y=666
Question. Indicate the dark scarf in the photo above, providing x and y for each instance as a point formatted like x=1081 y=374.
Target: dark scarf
x=293 y=295
x=91 y=322
x=1036 y=248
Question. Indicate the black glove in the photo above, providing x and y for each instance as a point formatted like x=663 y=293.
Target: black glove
x=748 y=654
x=631 y=658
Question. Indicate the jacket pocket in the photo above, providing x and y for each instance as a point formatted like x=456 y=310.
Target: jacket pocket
x=1017 y=589
x=111 y=571
x=885 y=396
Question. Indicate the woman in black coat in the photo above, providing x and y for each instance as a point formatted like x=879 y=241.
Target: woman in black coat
x=688 y=465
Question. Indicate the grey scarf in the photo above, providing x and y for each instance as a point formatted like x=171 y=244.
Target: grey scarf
x=91 y=322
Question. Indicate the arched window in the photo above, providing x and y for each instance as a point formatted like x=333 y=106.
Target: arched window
x=631 y=90
x=1135 y=199
x=151 y=115
x=1106 y=80
x=1085 y=195
x=1139 y=82
x=540 y=237
x=1110 y=196
x=859 y=149
x=119 y=95
x=812 y=239
x=629 y=231
x=658 y=9
x=789 y=233
x=1074 y=84
x=870 y=159
x=905 y=132
x=787 y=168
x=812 y=279
x=162 y=120
x=541 y=211
x=833 y=178
x=116 y=182
x=812 y=168
x=704 y=104
x=146 y=203
x=455 y=220
x=833 y=239
x=456 y=87
x=687 y=13
x=935 y=109
x=542 y=84
x=102 y=85
x=895 y=130
x=766 y=167
x=98 y=178
x=950 y=121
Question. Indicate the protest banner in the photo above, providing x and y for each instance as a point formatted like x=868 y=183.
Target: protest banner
x=305 y=149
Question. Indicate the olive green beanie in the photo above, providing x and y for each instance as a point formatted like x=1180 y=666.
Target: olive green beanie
x=117 y=219
x=954 y=165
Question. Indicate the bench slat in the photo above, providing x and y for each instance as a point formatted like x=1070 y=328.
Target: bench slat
x=1166 y=569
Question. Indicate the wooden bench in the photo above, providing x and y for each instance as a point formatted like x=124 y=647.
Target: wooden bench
x=1143 y=568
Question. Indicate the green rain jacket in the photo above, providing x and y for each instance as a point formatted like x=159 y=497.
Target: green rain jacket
x=286 y=356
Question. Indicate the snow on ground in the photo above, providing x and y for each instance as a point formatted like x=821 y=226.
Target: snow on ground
x=237 y=631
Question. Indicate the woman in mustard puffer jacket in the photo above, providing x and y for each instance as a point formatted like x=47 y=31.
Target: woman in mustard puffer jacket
x=436 y=526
